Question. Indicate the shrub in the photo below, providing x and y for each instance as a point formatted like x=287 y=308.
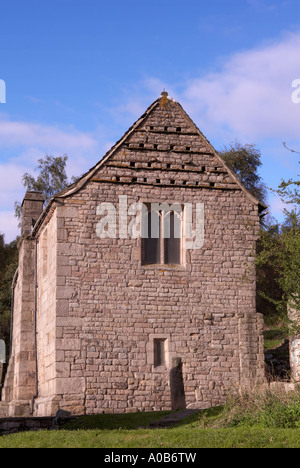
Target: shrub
x=266 y=409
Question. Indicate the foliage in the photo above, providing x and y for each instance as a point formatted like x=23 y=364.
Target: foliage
x=289 y=191
x=269 y=409
x=280 y=254
x=8 y=266
x=245 y=161
x=273 y=338
x=280 y=251
x=190 y=434
x=52 y=178
x=269 y=291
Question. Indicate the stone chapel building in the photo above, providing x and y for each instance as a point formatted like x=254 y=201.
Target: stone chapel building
x=112 y=322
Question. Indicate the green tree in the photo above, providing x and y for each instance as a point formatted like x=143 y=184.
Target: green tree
x=269 y=291
x=289 y=191
x=281 y=253
x=281 y=250
x=8 y=266
x=52 y=178
x=245 y=162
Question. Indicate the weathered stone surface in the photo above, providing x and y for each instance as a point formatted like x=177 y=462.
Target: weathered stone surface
x=177 y=385
x=32 y=208
x=99 y=309
x=294 y=344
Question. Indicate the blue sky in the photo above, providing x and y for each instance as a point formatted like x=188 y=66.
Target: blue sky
x=78 y=73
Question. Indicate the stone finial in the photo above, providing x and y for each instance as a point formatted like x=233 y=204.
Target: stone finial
x=32 y=208
x=164 y=94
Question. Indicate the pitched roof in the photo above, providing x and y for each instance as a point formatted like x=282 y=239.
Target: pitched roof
x=163 y=102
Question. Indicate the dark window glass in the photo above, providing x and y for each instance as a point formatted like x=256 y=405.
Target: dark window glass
x=159 y=352
x=161 y=241
x=151 y=245
x=172 y=242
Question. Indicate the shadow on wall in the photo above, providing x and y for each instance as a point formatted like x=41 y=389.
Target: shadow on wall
x=177 y=386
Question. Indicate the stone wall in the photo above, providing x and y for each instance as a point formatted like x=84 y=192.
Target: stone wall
x=294 y=344
x=20 y=380
x=110 y=307
x=46 y=316
x=115 y=306
x=19 y=385
x=100 y=308
x=15 y=425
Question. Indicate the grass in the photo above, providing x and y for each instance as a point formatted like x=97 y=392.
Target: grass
x=249 y=421
x=182 y=438
x=273 y=338
x=115 y=421
x=268 y=409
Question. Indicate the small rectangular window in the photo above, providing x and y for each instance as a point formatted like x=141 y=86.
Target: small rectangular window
x=159 y=352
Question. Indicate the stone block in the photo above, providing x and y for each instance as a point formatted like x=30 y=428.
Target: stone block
x=70 y=386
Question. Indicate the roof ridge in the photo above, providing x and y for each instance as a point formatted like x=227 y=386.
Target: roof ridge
x=84 y=179
x=90 y=172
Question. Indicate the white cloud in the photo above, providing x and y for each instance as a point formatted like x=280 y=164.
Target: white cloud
x=23 y=143
x=249 y=97
x=17 y=134
x=251 y=94
x=263 y=5
x=137 y=98
x=9 y=225
x=278 y=206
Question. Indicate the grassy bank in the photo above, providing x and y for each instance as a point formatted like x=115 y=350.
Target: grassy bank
x=186 y=437
x=265 y=420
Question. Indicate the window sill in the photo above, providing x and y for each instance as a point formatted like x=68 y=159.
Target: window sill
x=162 y=267
x=160 y=369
